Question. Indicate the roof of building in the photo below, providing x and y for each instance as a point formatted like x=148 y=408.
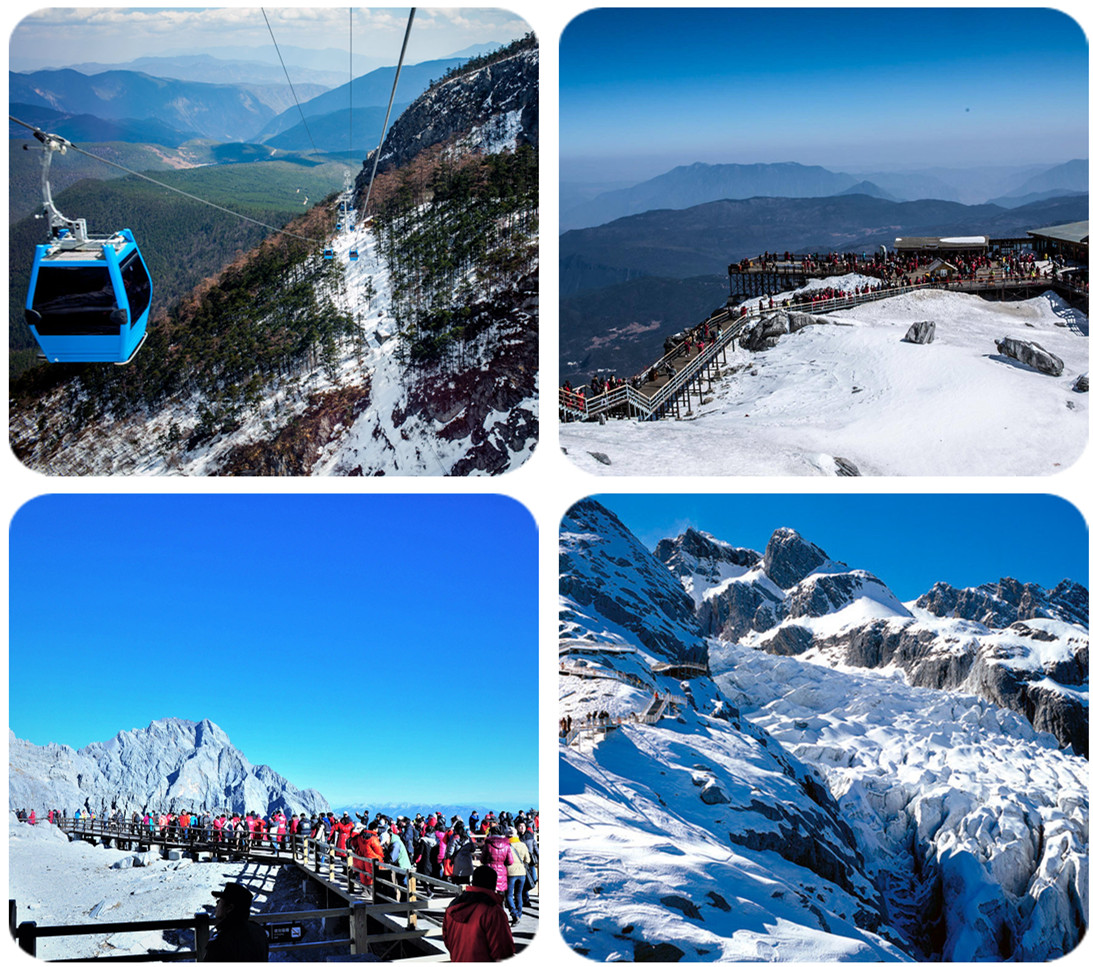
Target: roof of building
x=943 y=242
x=1070 y=232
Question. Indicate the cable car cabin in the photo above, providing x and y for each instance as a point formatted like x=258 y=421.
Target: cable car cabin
x=328 y=254
x=353 y=255
x=89 y=304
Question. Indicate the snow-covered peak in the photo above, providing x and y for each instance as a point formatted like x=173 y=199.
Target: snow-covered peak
x=702 y=561
x=172 y=763
x=609 y=572
x=789 y=557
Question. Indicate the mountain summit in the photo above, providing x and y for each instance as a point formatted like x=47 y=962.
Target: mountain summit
x=171 y=764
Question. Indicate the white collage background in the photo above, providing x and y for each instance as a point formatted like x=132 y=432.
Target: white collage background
x=548 y=484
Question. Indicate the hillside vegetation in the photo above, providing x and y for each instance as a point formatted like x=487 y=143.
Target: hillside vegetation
x=479 y=228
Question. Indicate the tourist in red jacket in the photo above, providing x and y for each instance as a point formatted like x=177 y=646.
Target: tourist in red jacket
x=476 y=927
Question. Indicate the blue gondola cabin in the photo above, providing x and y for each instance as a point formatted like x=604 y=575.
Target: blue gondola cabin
x=89 y=304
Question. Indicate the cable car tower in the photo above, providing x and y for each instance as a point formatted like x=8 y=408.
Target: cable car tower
x=89 y=295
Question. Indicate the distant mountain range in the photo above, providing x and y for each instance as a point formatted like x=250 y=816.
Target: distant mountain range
x=84 y=128
x=138 y=107
x=689 y=185
x=211 y=69
x=222 y=111
x=617 y=305
x=171 y=764
x=372 y=90
x=706 y=238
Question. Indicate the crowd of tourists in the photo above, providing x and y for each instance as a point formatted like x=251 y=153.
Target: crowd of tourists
x=437 y=847
x=889 y=269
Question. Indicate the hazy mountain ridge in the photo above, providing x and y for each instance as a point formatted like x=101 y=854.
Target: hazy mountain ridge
x=688 y=185
x=370 y=90
x=221 y=111
x=170 y=764
x=970 y=825
x=706 y=238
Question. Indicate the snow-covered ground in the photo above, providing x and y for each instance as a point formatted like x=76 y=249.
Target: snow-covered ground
x=853 y=389
x=55 y=882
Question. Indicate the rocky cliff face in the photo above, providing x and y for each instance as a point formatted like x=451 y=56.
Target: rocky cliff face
x=485 y=108
x=702 y=562
x=1000 y=605
x=604 y=567
x=172 y=763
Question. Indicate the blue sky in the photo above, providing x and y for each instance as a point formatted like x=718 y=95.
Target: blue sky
x=654 y=88
x=375 y=648
x=908 y=540
x=65 y=35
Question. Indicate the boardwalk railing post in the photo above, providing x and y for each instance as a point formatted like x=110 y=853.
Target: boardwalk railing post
x=358 y=928
x=26 y=934
x=201 y=934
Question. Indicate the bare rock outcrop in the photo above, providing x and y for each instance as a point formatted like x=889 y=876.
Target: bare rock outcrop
x=921 y=333
x=1031 y=354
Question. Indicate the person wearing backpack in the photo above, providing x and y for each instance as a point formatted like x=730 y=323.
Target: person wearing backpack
x=461 y=854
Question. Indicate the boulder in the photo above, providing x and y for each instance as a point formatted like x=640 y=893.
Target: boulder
x=712 y=795
x=798 y=320
x=1081 y=384
x=656 y=953
x=765 y=332
x=921 y=333
x=1031 y=354
x=789 y=640
x=687 y=907
x=844 y=467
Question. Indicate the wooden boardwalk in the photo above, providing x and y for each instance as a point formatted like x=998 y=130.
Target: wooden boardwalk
x=667 y=387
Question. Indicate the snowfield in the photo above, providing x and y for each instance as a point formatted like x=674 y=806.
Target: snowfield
x=56 y=882
x=945 y=792
x=853 y=389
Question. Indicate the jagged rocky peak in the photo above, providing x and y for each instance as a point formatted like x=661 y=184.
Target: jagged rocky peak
x=172 y=763
x=789 y=557
x=695 y=551
x=489 y=104
x=606 y=569
x=1000 y=605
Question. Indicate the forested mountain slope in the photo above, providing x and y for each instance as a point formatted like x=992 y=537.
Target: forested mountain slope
x=412 y=349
